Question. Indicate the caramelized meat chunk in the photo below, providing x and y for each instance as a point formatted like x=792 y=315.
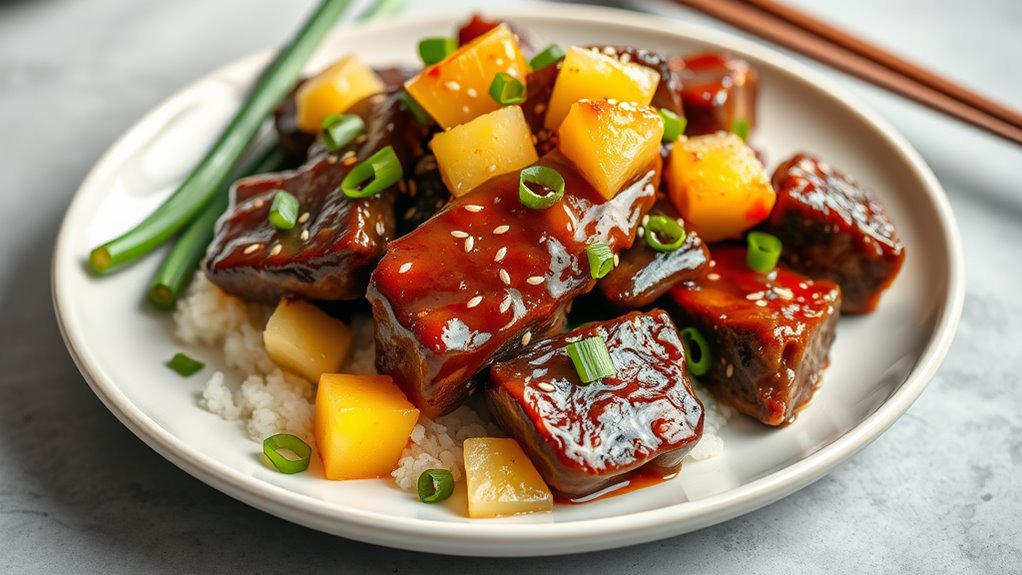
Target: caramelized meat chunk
x=717 y=90
x=769 y=334
x=539 y=87
x=585 y=437
x=331 y=251
x=834 y=229
x=486 y=274
x=424 y=196
x=643 y=274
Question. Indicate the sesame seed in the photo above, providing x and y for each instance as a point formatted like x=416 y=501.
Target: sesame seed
x=380 y=229
x=803 y=285
x=540 y=108
x=305 y=235
x=730 y=370
x=304 y=217
x=713 y=277
x=761 y=302
x=492 y=168
x=513 y=72
x=452 y=85
x=276 y=249
x=348 y=154
x=784 y=293
x=412 y=188
x=527 y=338
x=536 y=280
x=755 y=296
x=546 y=386
x=258 y=203
x=499 y=61
x=504 y=277
x=472 y=93
x=617 y=259
x=625 y=58
x=505 y=305
x=612 y=101
x=459 y=234
x=361 y=139
x=466 y=109
x=645 y=219
x=350 y=160
x=502 y=229
x=470 y=243
x=473 y=208
x=474 y=301
x=500 y=254
x=252 y=248
x=610 y=51
x=404 y=267
x=641 y=233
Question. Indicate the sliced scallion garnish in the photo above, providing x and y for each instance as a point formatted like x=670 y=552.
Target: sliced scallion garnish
x=184 y=365
x=591 y=359
x=697 y=351
x=435 y=485
x=283 y=210
x=377 y=173
x=433 y=50
x=340 y=130
x=740 y=127
x=664 y=234
x=601 y=259
x=507 y=90
x=763 y=251
x=552 y=54
x=550 y=186
x=278 y=449
x=674 y=125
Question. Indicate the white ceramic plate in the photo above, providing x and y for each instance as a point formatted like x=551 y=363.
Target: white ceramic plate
x=880 y=362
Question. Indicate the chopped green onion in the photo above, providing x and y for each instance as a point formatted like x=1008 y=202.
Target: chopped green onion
x=601 y=259
x=674 y=125
x=591 y=358
x=664 y=234
x=435 y=485
x=549 y=181
x=741 y=128
x=184 y=365
x=213 y=171
x=552 y=54
x=506 y=89
x=377 y=173
x=697 y=351
x=279 y=449
x=340 y=130
x=284 y=210
x=418 y=112
x=433 y=50
x=764 y=251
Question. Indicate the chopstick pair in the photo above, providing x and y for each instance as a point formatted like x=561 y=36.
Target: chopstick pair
x=802 y=33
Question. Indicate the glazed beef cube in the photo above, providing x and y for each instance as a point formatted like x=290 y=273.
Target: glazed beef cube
x=585 y=437
x=330 y=253
x=769 y=334
x=643 y=274
x=539 y=86
x=834 y=229
x=424 y=195
x=717 y=90
x=486 y=274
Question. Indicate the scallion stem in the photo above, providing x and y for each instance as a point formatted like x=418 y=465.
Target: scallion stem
x=213 y=171
x=183 y=259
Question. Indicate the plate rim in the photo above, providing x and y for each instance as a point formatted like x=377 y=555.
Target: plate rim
x=522 y=539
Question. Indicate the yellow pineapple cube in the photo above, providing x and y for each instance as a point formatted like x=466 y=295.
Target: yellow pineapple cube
x=501 y=479
x=362 y=424
x=333 y=91
x=490 y=145
x=457 y=89
x=303 y=339
x=611 y=143
x=718 y=185
x=590 y=75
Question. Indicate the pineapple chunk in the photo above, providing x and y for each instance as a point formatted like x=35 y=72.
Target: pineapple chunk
x=718 y=185
x=333 y=91
x=457 y=89
x=611 y=143
x=303 y=339
x=361 y=426
x=501 y=480
x=586 y=74
x=490 y=145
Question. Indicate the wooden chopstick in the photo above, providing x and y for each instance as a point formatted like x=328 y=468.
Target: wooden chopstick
x=802 y=33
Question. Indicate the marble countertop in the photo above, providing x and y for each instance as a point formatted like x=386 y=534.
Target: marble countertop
x=941 y=491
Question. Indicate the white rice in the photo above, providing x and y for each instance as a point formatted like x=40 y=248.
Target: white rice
x=267 y=400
